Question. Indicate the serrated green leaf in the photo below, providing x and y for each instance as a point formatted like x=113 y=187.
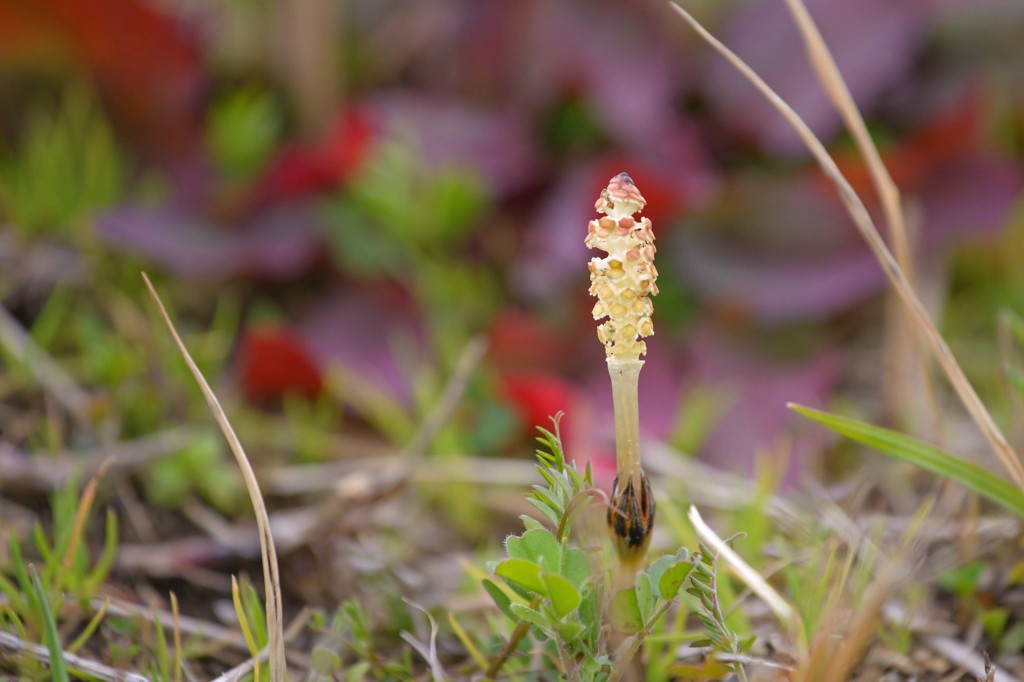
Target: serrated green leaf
x=644 y=595
x=531 y=616
x=563 y=596
x=624 y=611
x=542 y=547
x=500 y=598
x=923 y=455
x=522 y=572
x=574 y=566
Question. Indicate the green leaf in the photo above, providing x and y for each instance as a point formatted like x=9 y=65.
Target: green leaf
x=58 y=668
x=569 y=631
x=531 y=523
x=105 y=562
x=531 y=616
x=542 y=547
x=657 y=569
x=644 y=598
x=500 y=598
x=923 y=455
x=549 y=497
x=625 y=612
x=963 y=580
x=671 y=577
x=574 y=566
x=522 y=572
x=551 y=514
x=564 y=597
x=514 y=547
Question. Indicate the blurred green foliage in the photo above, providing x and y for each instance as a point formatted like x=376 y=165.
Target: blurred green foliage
x=66 y=167
x=242 y=132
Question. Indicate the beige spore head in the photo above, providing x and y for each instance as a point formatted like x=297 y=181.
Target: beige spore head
x=624 y=280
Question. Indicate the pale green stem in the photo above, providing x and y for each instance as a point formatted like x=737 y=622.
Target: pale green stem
x=625 y=375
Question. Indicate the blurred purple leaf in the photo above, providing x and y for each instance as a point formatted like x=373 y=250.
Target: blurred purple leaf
x=373 y=334
x=760 y=387
x=278 y=244
x=449 y=132
x=780 y=249
x=612 y=55
x=775 y=289
x=873 y=41
x=621 y=58
x=972 y=196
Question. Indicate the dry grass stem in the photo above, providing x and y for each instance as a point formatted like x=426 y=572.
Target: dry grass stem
x=867 y=229
x=839 y=647
x=179 y=653
x=905 y=362
x=835 y=87
x=271 y=574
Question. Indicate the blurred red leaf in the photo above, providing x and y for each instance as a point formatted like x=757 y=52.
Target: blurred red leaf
x=949 y=134
x=301 y=169
x=518 y=340
x=536 y=397
x=273 y=362
x=147 y=64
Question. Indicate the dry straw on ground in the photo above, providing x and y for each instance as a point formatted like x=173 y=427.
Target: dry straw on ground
x=271 y=574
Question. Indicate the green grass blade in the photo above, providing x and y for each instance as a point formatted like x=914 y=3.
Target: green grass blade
x=101 y=569
x=923 y=455
x=58 y=668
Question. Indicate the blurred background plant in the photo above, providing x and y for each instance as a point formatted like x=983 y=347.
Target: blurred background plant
x=340 y=199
